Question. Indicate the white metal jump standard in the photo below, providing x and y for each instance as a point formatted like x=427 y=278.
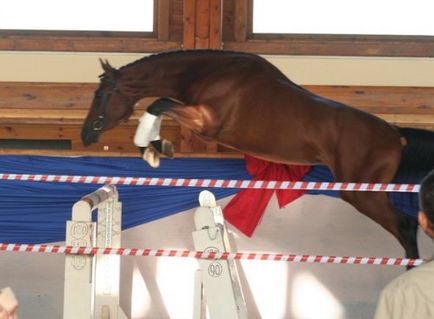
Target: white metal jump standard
x=216 y=283
x=92 y=282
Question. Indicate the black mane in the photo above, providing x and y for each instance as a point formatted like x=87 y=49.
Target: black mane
x=155 y=56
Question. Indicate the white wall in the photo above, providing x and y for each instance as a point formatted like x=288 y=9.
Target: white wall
x=315 y=70
x=163 y=287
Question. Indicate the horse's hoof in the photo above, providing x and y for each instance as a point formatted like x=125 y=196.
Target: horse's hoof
x=151 y=157
x=167 y=148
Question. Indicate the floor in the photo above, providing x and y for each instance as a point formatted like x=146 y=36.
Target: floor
x=164 y=287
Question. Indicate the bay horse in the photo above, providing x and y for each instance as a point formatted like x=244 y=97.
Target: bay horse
x=242 y=101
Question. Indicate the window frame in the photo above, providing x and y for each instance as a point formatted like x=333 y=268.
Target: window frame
x=321 y=44
x=95 y=41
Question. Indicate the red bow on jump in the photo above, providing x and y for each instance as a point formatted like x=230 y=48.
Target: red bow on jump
x=245 y=210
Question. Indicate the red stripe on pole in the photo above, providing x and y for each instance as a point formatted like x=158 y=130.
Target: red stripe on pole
x=238 y=184
x=185 y=182
x=159 y=252
x=146 y=252
x=398 y=261
x=225 y=255
x=278 y=257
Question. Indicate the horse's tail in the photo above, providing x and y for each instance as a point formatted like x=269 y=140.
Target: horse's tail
x=417 y=160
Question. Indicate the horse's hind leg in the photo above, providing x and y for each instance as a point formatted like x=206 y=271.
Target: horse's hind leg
x=408 y=227
x=147 y=136
x=377 y=207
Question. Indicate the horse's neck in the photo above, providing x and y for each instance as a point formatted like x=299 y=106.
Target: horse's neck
x=153 y=79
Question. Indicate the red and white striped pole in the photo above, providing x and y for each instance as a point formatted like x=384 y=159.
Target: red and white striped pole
x=57 y=249
x=212 y=183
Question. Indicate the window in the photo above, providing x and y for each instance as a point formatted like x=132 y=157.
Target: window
x=356 y=17
x=78 y=15
x=390 y=28
x=88 y=25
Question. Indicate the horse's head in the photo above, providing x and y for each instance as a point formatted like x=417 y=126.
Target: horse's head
x=109 y=106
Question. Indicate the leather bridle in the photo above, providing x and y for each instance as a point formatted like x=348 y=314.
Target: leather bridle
x=98 y=124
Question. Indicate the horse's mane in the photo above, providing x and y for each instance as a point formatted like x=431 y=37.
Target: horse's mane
x=200 y=52
x=156 y=56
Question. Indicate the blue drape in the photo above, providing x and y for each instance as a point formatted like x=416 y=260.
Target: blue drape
x=36 y=212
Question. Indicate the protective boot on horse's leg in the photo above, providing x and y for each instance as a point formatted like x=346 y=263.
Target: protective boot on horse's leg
x=147 y=136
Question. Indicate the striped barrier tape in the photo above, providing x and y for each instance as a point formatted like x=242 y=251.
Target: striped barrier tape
x=57 y=249
x=213 y=183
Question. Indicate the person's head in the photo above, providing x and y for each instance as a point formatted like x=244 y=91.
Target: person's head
x=426 y=203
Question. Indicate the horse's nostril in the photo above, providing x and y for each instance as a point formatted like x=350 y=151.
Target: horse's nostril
x=88 y=137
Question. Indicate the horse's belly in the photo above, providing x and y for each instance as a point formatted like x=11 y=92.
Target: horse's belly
x=290 y=158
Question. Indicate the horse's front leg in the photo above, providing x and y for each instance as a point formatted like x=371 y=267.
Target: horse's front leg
x=147 y=136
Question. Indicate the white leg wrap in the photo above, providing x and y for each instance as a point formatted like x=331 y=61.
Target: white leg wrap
x=148 y=129
x=155 y=132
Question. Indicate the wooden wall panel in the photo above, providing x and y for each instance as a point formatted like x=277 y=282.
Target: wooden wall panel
x=56 y=111
x=163 y=20
x=176 y=25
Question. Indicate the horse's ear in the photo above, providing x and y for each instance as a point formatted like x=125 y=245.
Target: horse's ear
x=108 y=69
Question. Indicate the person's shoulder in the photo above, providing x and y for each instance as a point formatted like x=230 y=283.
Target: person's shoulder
x=421 y=275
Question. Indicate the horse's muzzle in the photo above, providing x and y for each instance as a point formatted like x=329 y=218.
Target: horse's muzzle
x=89 y=136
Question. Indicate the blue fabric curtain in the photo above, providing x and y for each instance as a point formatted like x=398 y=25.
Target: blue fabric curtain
x=36 y=212
x=407 y=203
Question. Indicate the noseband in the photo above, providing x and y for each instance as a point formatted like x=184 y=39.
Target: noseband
x=98 y=124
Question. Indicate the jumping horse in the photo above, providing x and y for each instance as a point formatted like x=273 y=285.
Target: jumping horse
x=242 y=101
